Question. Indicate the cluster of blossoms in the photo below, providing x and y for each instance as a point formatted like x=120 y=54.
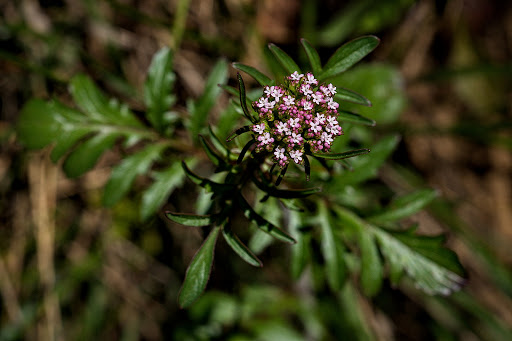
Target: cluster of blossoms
x=298 y=113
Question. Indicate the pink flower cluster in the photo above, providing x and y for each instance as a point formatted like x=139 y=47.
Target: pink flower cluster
x=298 y=113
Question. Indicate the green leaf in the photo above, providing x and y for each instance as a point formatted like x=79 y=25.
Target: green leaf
x=371 y=274
x=190 y=219
x=208 y=185
x=96 y=106
x=285 y=193
x=214 y=157
x=262 y=79
x=405 y=206
x=239 y=247
x=366 y=167
x=347 y=95
x=199 y=111
x=344 y=155
x=347 y=55
x=165 y=182
x=243 y=99
x=84 y=157
x=66 y=140
x=238 y=132
x=263 y=224
x=217 y=143
x=124 y=174
x=37 y=125
x=284 y=59
x=348 y=116
x=158 y=87
x=437 y=276
x=313 y=57
x=198 y=271
x=335 y=267
x=300 y=252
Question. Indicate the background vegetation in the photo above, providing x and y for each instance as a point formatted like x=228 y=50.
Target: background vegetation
x=72 y=269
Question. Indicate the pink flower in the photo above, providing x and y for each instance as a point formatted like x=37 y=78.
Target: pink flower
x=259 y=128
x=282 y=128
x=296 y=155
x=289 y=100
x=311 y=79
x=296 y=76
x=332 y=105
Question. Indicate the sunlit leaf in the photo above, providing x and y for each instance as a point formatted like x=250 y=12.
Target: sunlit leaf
x=262 y=79
x=284 y=59
x=198 y=271
x=313 y=57
x=347 y=55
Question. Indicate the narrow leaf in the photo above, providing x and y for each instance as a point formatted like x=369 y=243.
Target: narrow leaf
x=285 y=193
x=190 y=219
x=214 y=157
x=281 y=175
x=262 y=79
x=244 y=150
x=300 y=252
x=208 y=185
x=238 y=132
x=158 y=87
x=371 y=274
x=405 y=206
x=347 y=95
x=239 y=247
x=313 y=57
x=124 y=174
x=85 y=156
x=198 y=271
x=307 y=167
x=263 y=224
x=243 y=99
x=340 y=156
x=205 y=103
x=348 y=116
x=219 y=145
x=284 y=59
x=165 y=182
x=335 y=267
x=347 y=55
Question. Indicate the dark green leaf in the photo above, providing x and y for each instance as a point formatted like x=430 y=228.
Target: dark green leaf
x=335 y=267
x=347 y=95
x=405 y=206
x=257 y=75
x=244 y=150
x=124 y=174
x=284 y=59
x=217 y=143
x=238 y=132
x=239 y=247
x=263 y=224
x=344 y=155
x=208 y=185
x=371 y=274
x=348 y=116
x=165 y=182
x=158 y=87
x=285 y=193
x=199 y=111
x=300 y=252
x=307 y=168
x=84 y=157
x=96 y=106
x=37 y=126
x=313 y=57
x=347 y=55
x=214 y=157
x=198 y=271
x=190 y=219
x=243 y=99
x=66 y=140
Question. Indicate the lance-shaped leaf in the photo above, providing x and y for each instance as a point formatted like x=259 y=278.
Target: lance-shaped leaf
x=230 y=90
x=307 y=167
x=347 y=55
x=198 y=271
x=190 y=219
x=300 y=252
x=208 y=185
x=217 y=143
x=405 y=206
x=348 y=116
x=158 y=86
x=347 y=95
x=313 y=57
x=124 y=174
x=214 y=157
x=262 y=79
x=344 y=155
x=433 y=268
x=284 y=59
x=84 y=157
x=372 y=272
x=335 y=267
x=165 y=182
x=285 y=193
x=262 y=223
x=243 y=99
x=240 y=248
x=281 y=175
x=238 y=132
